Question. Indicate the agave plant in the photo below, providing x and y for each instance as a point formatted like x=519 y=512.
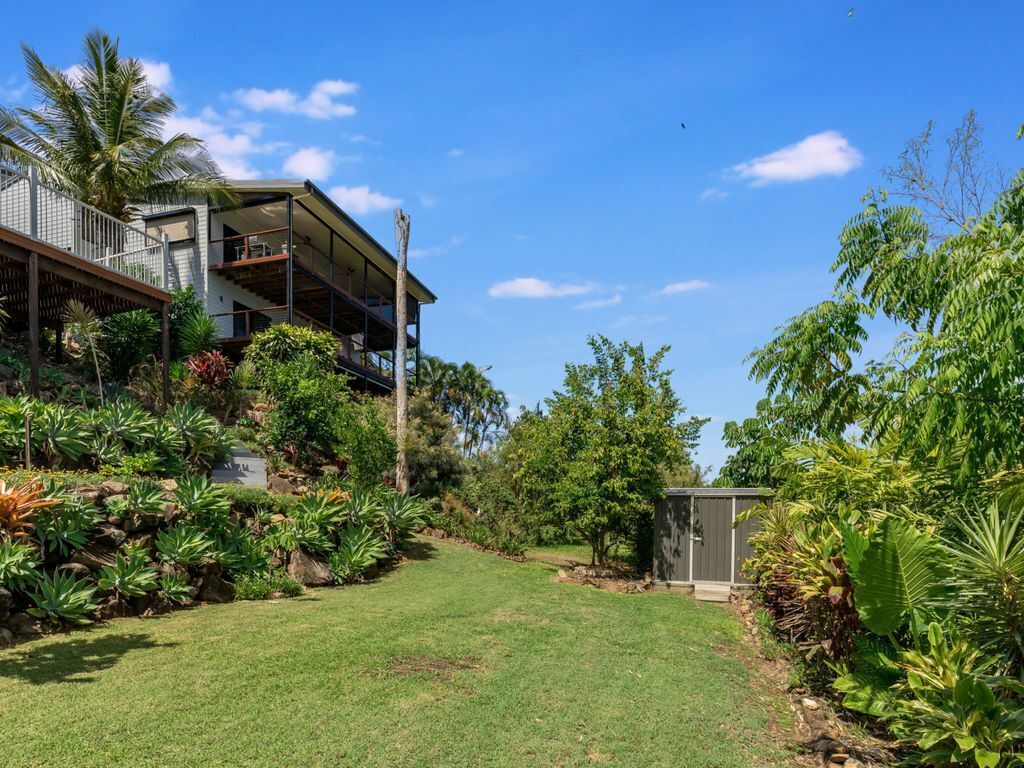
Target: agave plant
x=325 y=508
x=146 y=497
x=204 y=438
x=363 y=507
x=203 y=503
x=183 y=545
x=61 y=433
x=19 y=564
x=59 y=595
x=359 y=547
x=129 y=576
x=238 y=550
x=399 y=516
x=19 y=505
x=125 y=421
x=175 y=588
x=65 y=527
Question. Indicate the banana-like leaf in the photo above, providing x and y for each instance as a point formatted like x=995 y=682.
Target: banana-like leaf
x=899 y=577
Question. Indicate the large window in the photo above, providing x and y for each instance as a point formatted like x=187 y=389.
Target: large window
x=179 y=226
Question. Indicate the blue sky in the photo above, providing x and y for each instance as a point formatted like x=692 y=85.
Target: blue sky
x=538 y=149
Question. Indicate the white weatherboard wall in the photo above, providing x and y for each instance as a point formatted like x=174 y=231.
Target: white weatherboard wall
x=188 y=264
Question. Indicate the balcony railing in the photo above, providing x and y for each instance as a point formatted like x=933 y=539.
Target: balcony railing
x=243 y=323
x=44 y=213
x=274 y=242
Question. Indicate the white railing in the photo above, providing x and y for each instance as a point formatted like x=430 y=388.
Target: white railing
x=44 y=213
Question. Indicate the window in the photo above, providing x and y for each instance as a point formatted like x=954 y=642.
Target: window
x=179 y=226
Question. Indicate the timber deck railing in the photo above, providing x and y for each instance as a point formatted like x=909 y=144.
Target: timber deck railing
x=46 y=214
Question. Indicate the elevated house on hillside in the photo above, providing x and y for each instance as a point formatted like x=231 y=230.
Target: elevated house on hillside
x=286 y=253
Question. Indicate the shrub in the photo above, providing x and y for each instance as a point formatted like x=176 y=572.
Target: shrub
x=310 y=408
x=129 y=576
x=175 y=588
x=359 y=547
x=238 y=550
x=262 y=586
x=284 y=343
x=19 y=564
x=369 y=442
x=65 y=526
x=198 y=333
x=19 y=505
x=211 y=369
x=258 y=502
x=183 y=545
x=124 y=421
x=59 y=595
x=184 y=304
x=128 y=339
x=202 y=503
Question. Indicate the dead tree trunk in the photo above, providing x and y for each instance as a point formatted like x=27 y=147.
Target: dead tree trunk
x=401 y=377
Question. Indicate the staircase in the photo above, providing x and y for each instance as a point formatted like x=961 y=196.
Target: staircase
x=243 y=467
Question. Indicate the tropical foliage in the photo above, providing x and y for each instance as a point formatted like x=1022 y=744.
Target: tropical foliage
x=98 y=134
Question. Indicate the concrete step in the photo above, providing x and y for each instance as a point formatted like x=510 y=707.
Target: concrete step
x=243 y=467
x=712 y=593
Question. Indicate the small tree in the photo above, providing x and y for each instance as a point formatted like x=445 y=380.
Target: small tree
x=618 y=426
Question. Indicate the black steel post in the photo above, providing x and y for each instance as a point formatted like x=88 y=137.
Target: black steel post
x=291 y=259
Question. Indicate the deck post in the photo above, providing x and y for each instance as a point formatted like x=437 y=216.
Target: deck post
x=33 y=202
x=330 y=249
x=58 y=343
x=165 y=353
x=165 y=243
x=291 y=260
x=33 y=323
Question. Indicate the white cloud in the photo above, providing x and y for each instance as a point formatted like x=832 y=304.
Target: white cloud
x=533 y=288
x=428 y=200
x=437 y=250
x=11 y=90
x=310 y=163
x=362 y=200
x=158 y=73
x=321 y=103
x=823 y=154
x=456 y=152
x=640 y=320
x=713 y=193
x=231 y=149
x=611 y=301
x=684 y=286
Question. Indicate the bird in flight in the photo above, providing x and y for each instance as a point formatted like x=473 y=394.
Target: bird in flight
x=682 y=125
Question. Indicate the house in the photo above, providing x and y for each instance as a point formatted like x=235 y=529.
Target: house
x=288 y=253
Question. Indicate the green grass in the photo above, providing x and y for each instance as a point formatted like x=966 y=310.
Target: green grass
x=457 y=658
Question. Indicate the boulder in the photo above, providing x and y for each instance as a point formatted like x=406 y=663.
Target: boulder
x=107 y=535
x=211 y=569
x=278 y=484
x=113 y=488
x=216 y=590
x=77 y=570
x=94 y=556
x=309 y=571
x=6 y=637
x=25 y=625
x=137 y=521
x=171 y=512
x=6 y=603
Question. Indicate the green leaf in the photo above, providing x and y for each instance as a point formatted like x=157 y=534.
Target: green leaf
x=899 y=573
x=855 y=544
x=986 y=759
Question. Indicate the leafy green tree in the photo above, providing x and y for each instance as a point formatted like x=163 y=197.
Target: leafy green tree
x=98 y=134
x=618 y=425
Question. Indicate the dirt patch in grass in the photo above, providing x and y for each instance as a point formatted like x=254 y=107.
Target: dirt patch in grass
x=440 y=667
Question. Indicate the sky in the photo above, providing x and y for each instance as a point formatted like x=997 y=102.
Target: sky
x=539 y=150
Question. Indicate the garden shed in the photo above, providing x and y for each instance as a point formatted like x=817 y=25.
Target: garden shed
x=696 y=537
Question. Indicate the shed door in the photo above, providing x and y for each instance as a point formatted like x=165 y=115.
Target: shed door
x=672 y=539
x=711 y=538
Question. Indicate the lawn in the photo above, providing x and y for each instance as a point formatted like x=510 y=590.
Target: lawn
x=457 y=658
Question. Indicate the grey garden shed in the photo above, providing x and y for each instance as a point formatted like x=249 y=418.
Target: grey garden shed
x=696 y=538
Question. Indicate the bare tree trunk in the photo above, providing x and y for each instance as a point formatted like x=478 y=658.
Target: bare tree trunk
x=401 y=377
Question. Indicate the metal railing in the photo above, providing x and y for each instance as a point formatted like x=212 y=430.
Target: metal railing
x=251 y=245
x=44 y=213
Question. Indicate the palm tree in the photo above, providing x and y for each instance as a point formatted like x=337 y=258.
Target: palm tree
x=98 y=135
x=83 y=323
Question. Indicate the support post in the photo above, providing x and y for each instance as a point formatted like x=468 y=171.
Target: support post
x=58 y=343
x=291 y=263
x=33 y=323
x=33 y=202
x=401 y=342
x=330 y=249
x=165 y=354
x=165 y=243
